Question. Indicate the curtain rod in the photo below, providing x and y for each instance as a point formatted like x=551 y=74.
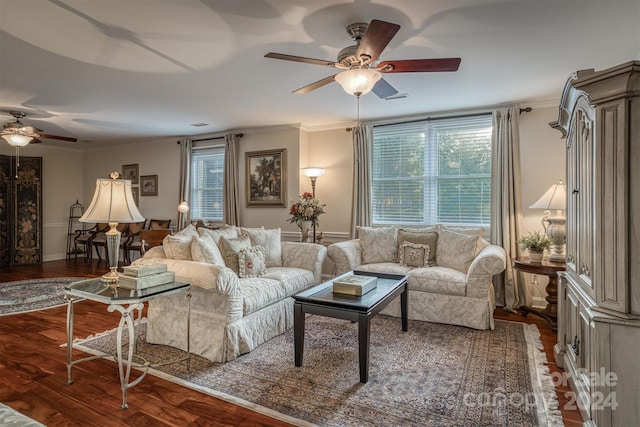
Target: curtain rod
x=213 y=138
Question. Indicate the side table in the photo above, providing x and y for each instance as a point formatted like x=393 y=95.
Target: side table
x=126 y=302
x=549 y=269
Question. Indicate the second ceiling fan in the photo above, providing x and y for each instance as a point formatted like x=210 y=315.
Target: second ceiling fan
x=362 y=71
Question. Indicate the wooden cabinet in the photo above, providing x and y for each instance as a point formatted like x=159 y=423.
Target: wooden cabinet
x=599 y=293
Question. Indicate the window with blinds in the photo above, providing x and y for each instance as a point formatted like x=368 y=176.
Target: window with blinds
x=435 y=171
x=207 y=180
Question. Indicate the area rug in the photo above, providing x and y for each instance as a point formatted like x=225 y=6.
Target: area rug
x=30 y=295
x=432 y=375
x=11 y=418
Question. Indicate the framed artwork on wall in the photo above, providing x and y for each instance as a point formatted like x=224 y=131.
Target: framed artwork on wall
x=266 y=177
x=149 y=185
x=131 y=172
x=136 y=195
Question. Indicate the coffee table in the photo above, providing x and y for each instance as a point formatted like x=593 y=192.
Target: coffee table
x=321 y=300
x=126 y=302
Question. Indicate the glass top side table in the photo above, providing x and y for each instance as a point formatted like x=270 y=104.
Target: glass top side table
x=125 y=301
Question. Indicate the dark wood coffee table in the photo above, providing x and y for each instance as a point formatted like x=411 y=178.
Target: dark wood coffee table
x=321 y=300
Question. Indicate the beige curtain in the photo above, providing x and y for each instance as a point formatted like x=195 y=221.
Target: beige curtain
x=185 y=180
x=230 y=196
x=506 y=214
x=362 y=158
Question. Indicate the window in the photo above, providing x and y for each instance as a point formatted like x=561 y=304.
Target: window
x=207 y=180
x=435 y=171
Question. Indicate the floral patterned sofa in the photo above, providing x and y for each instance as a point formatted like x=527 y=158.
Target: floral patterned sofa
x=450 y=270
x=241 y=280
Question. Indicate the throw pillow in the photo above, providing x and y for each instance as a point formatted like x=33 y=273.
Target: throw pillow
x=379 y=244
x=456 y=250
x=251 y=262
x=229 y=233
x=424 y=238
x=414 y=254
x=271 y=242
x=204 y=249
x=230 y=249
x=178 y=246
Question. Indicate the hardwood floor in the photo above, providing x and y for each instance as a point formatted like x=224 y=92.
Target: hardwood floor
x=33 y=370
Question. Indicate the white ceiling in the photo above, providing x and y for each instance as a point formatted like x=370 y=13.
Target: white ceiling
x=125 y=70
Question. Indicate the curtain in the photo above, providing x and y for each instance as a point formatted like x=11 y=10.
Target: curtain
x=185 y=180
x=230 y=196
x=362 y=152
x=506 y=214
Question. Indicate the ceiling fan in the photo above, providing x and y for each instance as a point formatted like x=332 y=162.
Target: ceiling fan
x=362 y=71
x=19 y=134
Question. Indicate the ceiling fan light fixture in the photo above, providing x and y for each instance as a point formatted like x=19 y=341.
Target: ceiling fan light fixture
x=358 y=81
x=17 y=140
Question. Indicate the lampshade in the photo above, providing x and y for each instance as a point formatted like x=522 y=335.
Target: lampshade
x=358 y=81
x=183 y=207
x=554 y=198
x=313 y=172
x=112 y=202
x=17 y=140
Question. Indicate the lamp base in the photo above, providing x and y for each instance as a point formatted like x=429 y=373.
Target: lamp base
x=556 y=231
x=111 y=277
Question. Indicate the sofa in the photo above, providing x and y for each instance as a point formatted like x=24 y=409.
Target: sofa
x=450 y=270
x=241 y=281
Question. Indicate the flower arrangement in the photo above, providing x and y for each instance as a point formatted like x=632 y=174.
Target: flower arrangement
x=307 y=208
x=535 y=241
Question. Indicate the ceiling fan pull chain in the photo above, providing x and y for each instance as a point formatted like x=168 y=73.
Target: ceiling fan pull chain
x=17 y=160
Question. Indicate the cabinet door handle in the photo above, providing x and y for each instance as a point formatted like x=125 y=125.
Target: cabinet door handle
x=575 y=191
x=575 y=347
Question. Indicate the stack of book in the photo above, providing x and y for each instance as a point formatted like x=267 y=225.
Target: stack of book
x=145 y=276
x=356 y=285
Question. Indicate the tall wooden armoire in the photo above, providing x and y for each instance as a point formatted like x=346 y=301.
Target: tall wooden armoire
x=20 y=210
x=599 y=294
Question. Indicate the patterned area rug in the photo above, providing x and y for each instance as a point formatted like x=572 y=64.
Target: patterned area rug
x=31 y=295
x=432 y=375
x=12 y=418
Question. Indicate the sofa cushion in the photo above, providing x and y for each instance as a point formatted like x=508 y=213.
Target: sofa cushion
x=259 y=292
x=178 y=246
x=438 y=280
x=229 y=233
x=270 y=240
x=291 y=279
x=379 y=244
x=230 y=249
x=251 y=262
x=384 y=267
x=204 y=249
x=429 y=238
x=456 y=250
x=413 y=254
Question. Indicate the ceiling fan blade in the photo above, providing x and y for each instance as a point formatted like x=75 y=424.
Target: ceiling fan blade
x=35 y=141
x=300 y=59
x=383 y=89
x=377 y=37
x=61 y=138
x=421 y=65
x=315 y=85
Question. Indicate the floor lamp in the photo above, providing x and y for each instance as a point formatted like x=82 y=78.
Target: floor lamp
x=112 y=203
x=555 y=226
x=313 y=174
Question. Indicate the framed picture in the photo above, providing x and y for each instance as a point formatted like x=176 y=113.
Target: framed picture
x=136 y=195
x=149 y=185
x=266 y=177
x=131 y=172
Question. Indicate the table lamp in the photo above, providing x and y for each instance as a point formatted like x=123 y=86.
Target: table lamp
x=555 y=226
x=112 y=203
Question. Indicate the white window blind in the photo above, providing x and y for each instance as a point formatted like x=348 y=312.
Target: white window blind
x=435 y=171
x=207 y=180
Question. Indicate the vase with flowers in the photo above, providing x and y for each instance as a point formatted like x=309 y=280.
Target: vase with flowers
x=304 y=213
x=535 y=243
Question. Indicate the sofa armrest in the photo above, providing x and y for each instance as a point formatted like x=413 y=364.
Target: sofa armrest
x=308 y=256
x=490 y=261
x=206 y=276
x=346 y=255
